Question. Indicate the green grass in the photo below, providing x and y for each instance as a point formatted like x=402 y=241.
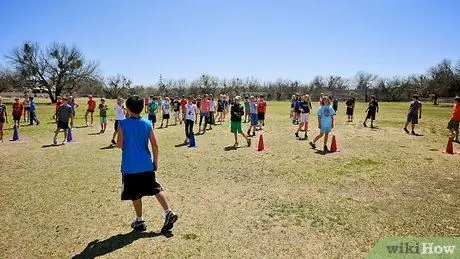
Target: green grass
x=287 y=201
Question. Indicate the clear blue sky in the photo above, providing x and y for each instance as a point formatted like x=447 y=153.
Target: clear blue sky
x=240 y=38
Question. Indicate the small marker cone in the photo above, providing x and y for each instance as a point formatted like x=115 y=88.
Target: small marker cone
x=15 y=133
x=333 y=145
x=450 y=146
x=261 y=143
x=69 y=135
x=192 y=142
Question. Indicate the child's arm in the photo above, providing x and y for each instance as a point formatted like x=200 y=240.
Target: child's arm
x=120 y=137
x=420 y=112
x=319 y=121
x=332 y=126
x=153 y=142
x=377 y=107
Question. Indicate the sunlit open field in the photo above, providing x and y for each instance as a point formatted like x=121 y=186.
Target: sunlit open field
x=287 y=201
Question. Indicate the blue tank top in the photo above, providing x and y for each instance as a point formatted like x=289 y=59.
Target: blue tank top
x=136 y=156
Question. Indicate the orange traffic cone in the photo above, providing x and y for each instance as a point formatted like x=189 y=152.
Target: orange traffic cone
x=261 y=143
x=333 y=145
x=450 y=146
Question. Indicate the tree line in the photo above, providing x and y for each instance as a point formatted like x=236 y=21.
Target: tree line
x=59 y=69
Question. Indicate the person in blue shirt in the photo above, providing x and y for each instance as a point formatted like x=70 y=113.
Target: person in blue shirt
x=325 y=122
x=32 y=114
x=138 y=164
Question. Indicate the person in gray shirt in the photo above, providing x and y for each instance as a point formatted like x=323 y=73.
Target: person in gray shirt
x=63 y=114
x=414 y=114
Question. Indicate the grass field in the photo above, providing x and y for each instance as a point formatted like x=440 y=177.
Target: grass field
x=287 y=201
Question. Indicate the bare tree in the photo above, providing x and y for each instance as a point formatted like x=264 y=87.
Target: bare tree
x=117 y=86
x=9 y=80
x=56 y=69
x=365 y=82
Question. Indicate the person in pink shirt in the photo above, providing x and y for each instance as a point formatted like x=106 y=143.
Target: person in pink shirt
x=204 y=113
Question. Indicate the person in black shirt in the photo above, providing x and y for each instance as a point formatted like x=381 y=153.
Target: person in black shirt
x=236 y=112
x=220 y=109
x=176 y=109
x=304 y=109
x=350 y=103
x=372 y=110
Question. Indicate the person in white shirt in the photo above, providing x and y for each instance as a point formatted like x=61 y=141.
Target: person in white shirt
x=120 y=112
x=166 y=108
x=212 y=109
x=190 y=111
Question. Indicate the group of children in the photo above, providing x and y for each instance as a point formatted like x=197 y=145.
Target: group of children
x=206 y=111
x=301 y=107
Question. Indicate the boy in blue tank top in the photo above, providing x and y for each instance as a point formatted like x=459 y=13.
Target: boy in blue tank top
x=138 y=166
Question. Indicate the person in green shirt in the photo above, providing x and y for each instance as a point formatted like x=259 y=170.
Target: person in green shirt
x=103 y=115
x=246 y=109
x=153 y=108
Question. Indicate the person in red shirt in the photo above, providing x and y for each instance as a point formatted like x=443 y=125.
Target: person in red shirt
x=91 y=108
x=261 y=110
x=146 y=104
x=183 y=102
x=454 y=121
x=58 y=104
x=17 y=112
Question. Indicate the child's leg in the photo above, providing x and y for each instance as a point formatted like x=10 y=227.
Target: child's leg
x=86 y=118
x=318 y=137
x=138 y=207
x=236 y=137
x=105 y=126
x=92 y=118
x=1 y=130
x=161 y=198
x=372 y=122
x=326 y=136
x=407 y=124
x=167 y=122
x=413 y=126
x=300 y=127
x=199 y=124
x=65 y=134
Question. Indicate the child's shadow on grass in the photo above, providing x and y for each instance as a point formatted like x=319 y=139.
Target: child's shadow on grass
x=108 y=147
x=52 y=145
x=229 y=148
x=93 y=134
x=99 y=248
x=321 y=152
x=80 y=127
x=181 y=145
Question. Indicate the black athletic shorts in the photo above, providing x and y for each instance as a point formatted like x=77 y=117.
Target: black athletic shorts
x=166 y=116
x=16 y=117
x=115 y=125
x=261 y=115
x=370 y=115
x=349 y=110
x=63 y=125
x=135 y=186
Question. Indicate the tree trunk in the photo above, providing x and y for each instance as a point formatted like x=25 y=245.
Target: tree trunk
x=50 y=94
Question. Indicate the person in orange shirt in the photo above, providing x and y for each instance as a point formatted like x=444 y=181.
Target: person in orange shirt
x=90 y=110
x=58 y=104
x=454 y=121
x=17 y=112
x=261 y=110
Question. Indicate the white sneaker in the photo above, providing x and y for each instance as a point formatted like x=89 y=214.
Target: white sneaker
x=63 y=142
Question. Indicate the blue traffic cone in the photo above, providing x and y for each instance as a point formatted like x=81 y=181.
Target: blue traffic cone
x=69 y=135
x=192 y=142
x=15 y=133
